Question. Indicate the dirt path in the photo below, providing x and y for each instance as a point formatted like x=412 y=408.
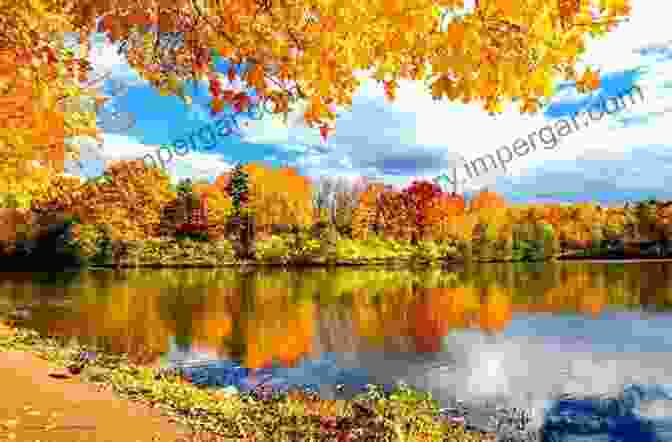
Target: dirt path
x=36 y=407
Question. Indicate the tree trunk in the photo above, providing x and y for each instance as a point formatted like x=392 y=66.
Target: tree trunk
x=243 y=231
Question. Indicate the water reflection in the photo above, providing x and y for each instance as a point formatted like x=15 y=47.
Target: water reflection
x=508 y=333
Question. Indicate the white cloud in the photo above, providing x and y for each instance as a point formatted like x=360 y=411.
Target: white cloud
x=196 y=164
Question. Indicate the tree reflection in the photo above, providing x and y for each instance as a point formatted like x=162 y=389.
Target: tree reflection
x=264 y=317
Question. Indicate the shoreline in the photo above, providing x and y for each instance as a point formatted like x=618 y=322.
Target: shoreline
x=390 y=263
x=203 y=410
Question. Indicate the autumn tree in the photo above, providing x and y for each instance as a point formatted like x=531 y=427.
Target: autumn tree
x=66 y=190
x=496 y=53
x=279 y=196
x=238 y=188
x=335 y=198
x=367 y=216
x=664 y=220
x=490 y=210
x=323 y=198
x=219 y=208
x=493 y=53
x=38 y=74
x=129 y=200
x=444 y=213
x=645 y=212
x=421 y=197
x=487 y=199
x=346 y=197
x=34 y=131
x=396 y=214
x=614 y=227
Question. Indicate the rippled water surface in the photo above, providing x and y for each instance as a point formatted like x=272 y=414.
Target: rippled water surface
x=514 y=335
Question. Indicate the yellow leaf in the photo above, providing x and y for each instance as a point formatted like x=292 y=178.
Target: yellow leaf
x=455 y=34
x=172 y=81
x=508 y=7
x=548 y=88
x=394 y=7
x=594 y=81
x=437 y=89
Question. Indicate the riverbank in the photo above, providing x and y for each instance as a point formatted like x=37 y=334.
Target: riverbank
x=89 y=246
x=38 y=407
x=164 y=401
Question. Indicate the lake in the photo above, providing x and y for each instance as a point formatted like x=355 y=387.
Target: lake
x=511 y=335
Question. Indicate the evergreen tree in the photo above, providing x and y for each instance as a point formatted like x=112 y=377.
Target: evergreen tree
x=238 y=188
x=243 y=224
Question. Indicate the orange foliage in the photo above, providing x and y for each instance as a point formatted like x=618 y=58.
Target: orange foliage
x=222 y=181
x=13 y=221
x=443 y=213
x=592 y=302
x=366 y=319
x=495 y=313
x=213 y=321
x=429 y=326
x=127 y=317
x=131 y=204
x=395 y=215
x=279 y=331
x=66 y=190
x=34 y=113
x=487 y=200
x=219 y=207
x=277 y=196
x=366 y=213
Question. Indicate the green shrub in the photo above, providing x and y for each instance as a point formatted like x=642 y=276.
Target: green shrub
x=427 y=250
x=96 y=247
x=277 y=247
x=88 y=240
x=92 y=243
x=347 y=249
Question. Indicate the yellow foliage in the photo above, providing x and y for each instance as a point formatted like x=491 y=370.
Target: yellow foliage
x=131 y=204
x=220 y=207
x=498 y=51
x=279 y=196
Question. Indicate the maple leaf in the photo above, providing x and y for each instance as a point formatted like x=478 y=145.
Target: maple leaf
x=395 y=40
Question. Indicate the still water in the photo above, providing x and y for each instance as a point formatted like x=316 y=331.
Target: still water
x=514 y=335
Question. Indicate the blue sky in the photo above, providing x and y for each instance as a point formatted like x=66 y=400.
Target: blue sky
x=624 y=156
